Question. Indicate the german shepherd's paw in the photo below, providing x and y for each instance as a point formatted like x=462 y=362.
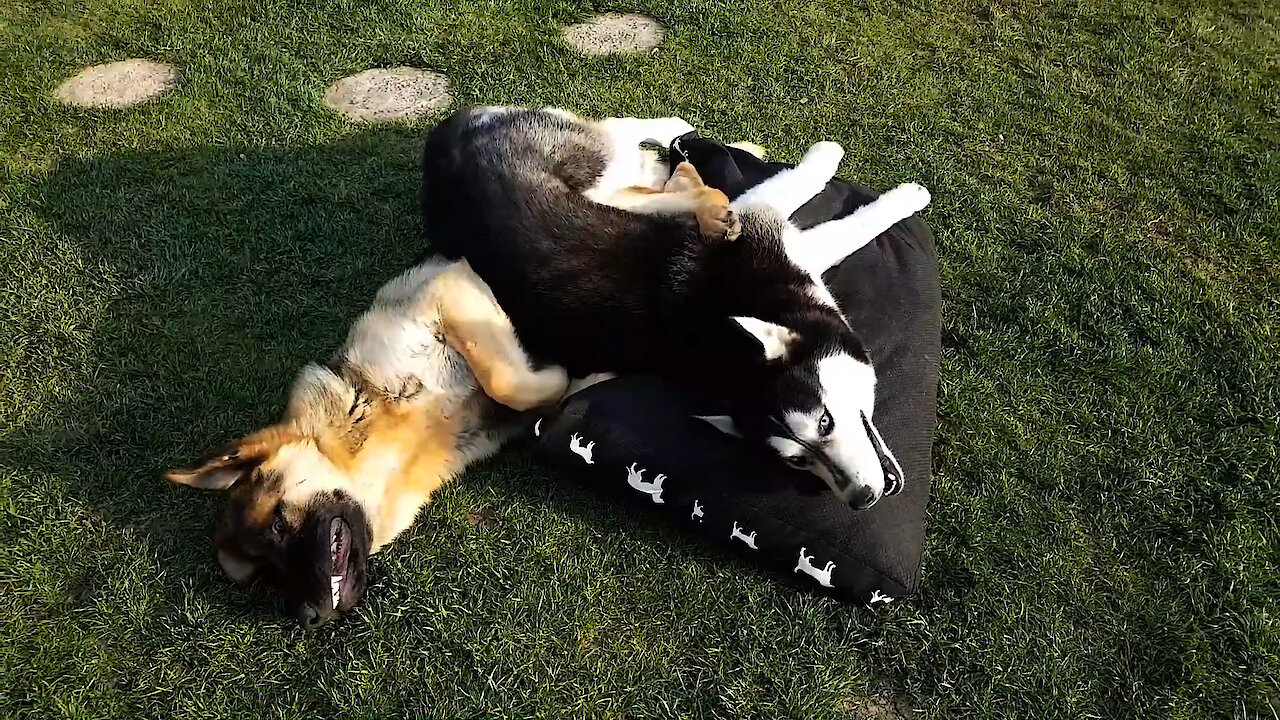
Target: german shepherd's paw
x=717 y=221
x=684 y=178
x=549 y=386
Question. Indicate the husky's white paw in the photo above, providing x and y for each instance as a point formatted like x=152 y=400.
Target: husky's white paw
x=824 y=155
x=578 y=384
x=911 y=197
x=750 y=147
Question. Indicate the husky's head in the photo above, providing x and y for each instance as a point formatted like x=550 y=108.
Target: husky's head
x=811 y=393
x=292 y=520
x=810 y=399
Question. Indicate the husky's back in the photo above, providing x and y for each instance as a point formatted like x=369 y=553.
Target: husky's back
x=504 y=188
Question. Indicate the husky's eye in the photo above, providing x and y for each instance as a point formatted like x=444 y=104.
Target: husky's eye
x=826 y=424
x=799 y=462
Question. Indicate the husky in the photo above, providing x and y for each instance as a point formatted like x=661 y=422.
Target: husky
x=431 y=379
x=599 y=272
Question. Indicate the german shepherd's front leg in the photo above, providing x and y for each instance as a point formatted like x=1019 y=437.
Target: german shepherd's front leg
x=474 y=324
x=684 y=193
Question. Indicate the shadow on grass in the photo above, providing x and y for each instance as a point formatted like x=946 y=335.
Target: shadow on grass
x=219 y=271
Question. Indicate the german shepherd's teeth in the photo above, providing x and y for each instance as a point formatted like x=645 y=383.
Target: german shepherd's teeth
x=304 y=462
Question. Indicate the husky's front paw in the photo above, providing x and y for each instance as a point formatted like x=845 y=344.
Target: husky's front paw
x=911 y=197
x=717 y=221
x=823 y=156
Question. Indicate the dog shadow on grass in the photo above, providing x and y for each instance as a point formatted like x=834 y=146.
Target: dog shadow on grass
x=202 y=280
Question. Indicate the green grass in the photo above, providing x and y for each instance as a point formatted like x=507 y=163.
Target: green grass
x=1103 y=537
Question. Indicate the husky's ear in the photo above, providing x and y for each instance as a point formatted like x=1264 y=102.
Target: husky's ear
x=774 y=339
x=234 y=463
x=723 y=423
x=319 y=397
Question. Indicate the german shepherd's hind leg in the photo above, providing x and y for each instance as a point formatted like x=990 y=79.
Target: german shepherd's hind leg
x=716 y=217
x=684 y=193
x=474 y=324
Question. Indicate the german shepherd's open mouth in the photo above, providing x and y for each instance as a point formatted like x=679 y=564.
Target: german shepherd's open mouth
x=326 y=575
x=361 y=448
x=346 y=568
x=339 y=548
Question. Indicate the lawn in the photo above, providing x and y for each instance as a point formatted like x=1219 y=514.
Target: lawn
x=1103 y=538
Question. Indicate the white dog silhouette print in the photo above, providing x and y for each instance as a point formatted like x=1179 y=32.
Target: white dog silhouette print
x=697 y=511
x=635 y=478
x=876 y=597
x=576 y=446
x=823 y=576
x=750 y=540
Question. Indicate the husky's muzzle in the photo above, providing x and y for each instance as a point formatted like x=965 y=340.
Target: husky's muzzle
x=841 y=483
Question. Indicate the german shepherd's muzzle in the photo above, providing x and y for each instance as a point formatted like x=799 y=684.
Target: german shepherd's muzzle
x=321 y=569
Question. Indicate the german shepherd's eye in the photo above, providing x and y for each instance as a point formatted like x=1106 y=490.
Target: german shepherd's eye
x=826 y=424
x=279 y=528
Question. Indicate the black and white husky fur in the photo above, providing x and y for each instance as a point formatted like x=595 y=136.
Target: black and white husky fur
x=522 y=194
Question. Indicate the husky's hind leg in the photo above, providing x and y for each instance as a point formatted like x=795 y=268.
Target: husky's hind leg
x=635 y=131
x=628 y=163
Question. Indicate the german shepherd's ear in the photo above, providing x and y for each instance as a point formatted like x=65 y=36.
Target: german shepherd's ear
x=217 y=473
x=775 y=340
x=319 y=399
x=226 y=468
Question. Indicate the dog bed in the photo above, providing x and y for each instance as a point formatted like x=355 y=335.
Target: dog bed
x=633 y=438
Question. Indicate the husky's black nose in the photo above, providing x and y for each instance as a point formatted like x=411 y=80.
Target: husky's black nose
x=863 y=499
x=310 y=618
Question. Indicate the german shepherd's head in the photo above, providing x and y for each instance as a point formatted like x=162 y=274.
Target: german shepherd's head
x=294 y=519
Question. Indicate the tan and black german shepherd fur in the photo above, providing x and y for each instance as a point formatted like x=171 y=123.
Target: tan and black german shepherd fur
x=406 y=404
x=431 y=378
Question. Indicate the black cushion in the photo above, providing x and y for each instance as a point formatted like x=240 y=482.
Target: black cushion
x=890 y=292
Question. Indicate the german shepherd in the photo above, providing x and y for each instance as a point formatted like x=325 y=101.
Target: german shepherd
x=431 y=378
x=531 y=199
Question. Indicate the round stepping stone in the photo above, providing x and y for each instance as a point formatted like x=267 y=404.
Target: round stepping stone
x=390 y=94
x=118 y=84
x=612 y=33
